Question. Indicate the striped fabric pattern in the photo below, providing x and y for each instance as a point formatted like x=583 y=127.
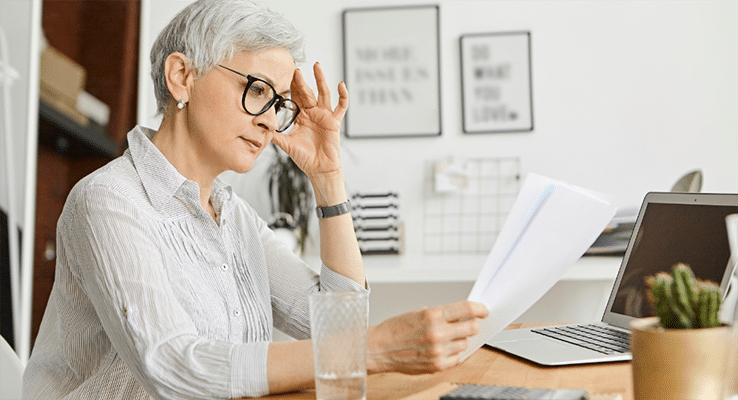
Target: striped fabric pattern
x=154 y=299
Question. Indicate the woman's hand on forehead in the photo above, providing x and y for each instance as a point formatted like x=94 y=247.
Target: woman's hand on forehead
x=314 y=141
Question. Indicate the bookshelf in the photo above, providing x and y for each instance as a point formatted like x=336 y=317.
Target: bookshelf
x=101 y=36
x=68 y=136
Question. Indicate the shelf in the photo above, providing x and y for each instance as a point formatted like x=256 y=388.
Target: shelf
x=72 y=137
x=464 y=268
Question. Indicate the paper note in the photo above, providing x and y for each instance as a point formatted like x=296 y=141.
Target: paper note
x=731 y=221
x=548 y=229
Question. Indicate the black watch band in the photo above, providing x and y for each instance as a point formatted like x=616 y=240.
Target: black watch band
x=332 y=211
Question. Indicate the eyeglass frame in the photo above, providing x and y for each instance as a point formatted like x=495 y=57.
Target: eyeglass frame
x=276 y=100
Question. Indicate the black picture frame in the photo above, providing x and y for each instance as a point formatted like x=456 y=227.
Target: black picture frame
x=496 y=82
x=392 y=70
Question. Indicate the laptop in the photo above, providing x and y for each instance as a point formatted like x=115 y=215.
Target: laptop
x=671 y=228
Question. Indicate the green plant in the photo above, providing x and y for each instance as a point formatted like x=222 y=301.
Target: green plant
x=290 y=193
x=681 y=301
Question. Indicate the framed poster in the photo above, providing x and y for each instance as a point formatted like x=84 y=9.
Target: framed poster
x=496 y=92
x=391 y=70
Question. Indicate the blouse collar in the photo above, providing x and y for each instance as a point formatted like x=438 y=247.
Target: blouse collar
x=162 y=182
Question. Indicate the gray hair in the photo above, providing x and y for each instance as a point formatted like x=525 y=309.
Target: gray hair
x=208 y=31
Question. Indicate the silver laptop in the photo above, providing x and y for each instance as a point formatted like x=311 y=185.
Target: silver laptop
x=671 y=228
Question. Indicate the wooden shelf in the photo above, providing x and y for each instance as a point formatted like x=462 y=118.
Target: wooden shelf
x=102 y=37
x=463 y=268
x=74 y=138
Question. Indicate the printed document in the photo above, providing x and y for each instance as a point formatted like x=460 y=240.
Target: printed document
x=549 y=228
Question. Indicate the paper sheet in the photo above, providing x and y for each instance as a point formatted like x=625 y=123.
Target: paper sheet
x=549 y=228
x=731 y=221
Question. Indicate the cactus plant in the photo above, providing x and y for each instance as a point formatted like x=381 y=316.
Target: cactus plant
x=681 y=301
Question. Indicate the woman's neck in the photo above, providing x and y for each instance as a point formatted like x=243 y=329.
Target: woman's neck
x=176 y=144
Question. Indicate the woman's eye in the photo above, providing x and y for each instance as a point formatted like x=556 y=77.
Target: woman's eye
x=255 y=91
x=258 y=89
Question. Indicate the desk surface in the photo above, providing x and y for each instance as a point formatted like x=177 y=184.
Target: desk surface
x=492 y=367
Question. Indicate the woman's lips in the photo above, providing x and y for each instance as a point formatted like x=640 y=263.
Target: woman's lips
x=253 y=143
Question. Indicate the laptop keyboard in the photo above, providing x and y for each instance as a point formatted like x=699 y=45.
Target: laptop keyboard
x=594 y=337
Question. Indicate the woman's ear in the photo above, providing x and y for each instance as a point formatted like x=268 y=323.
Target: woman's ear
x=178 y=75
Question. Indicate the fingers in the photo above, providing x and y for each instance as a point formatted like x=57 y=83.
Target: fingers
x=426 y=339
x=464 y=310
x=441 y=356
x=343 y=101
x=324 y=92
x=452 y=324
x=461 y=322
x=301 y=92
x=281 y=140
x=457 y=330
x=306 y=99
x=304 y=96
x=447 y=353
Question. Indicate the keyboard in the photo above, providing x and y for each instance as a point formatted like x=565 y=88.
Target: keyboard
x=493 y=392
x=594 y=337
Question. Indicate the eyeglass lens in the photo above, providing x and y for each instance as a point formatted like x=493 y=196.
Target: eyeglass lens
x=259 y=96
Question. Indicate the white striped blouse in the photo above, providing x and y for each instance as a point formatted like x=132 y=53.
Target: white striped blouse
x=154 y=299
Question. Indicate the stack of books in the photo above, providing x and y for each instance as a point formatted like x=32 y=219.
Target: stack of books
x=377 y=222
x=613 y=241
x=62 y=87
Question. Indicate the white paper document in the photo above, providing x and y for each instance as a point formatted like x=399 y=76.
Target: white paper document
x=549 y=228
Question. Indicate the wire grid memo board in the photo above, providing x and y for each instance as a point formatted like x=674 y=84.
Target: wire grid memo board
x=466 y=203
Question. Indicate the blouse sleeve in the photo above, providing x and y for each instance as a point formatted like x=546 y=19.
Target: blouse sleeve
x=114 y=258
x=291 y=281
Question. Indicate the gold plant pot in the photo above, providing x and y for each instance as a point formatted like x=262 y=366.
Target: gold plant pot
x=671 y=364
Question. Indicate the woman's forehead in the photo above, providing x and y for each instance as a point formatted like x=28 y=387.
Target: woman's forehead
x=275 y=65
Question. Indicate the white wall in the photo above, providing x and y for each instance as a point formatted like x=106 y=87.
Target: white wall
x=15 y=18
x=21 y=22
x=627 y=95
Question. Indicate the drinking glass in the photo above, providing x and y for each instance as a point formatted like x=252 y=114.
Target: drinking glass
x=338 y=324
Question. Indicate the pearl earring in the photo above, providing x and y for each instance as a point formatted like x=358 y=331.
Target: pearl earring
x=181 y=104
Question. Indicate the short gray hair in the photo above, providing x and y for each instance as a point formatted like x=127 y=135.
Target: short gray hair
x=208 y=31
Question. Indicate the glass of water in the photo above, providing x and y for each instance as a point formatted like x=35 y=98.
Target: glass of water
x=338 y=324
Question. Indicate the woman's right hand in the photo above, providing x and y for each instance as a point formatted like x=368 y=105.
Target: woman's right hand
x=314 y=141
x=424 y=340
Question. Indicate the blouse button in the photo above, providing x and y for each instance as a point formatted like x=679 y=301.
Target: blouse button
x=224 y=267
x=237 y=313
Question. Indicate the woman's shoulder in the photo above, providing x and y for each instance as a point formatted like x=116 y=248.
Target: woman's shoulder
x=115 y=179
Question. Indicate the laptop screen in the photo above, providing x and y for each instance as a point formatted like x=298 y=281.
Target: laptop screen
x=692 y=232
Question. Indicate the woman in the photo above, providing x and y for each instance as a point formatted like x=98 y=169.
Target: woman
x=167 y=284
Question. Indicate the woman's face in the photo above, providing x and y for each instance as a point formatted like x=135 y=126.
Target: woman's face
x=228 y=137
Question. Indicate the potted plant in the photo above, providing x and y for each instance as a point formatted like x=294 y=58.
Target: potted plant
x=291 y=199
x=683 y=352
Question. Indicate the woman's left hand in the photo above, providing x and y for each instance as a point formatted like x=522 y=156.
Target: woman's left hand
x=314 y=141
x=425 y=340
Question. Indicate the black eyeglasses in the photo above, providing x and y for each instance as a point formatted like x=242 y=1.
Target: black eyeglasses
x=259 y=96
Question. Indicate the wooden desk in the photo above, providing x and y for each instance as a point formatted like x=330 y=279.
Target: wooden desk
x=493 y=367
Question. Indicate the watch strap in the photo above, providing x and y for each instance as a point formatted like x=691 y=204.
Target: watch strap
x=332 y=211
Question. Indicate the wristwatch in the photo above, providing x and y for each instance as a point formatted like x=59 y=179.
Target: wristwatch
x=332 y=211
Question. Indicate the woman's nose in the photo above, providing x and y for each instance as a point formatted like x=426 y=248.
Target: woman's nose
x=267 y=120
